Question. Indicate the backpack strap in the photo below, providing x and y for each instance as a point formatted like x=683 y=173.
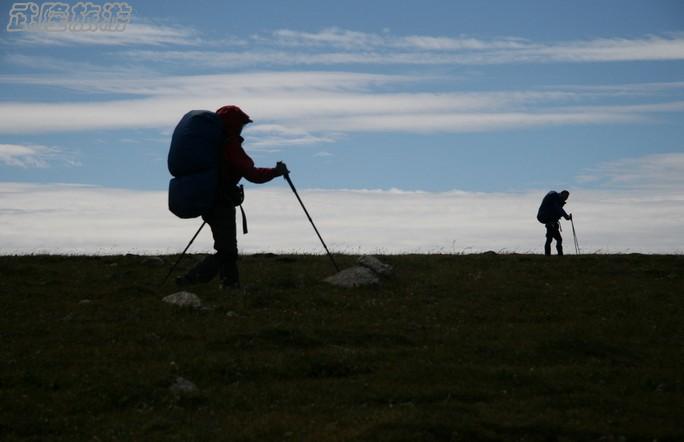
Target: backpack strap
x=244 y=220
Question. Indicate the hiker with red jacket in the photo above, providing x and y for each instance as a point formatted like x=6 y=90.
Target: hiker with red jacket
x=234 y=164
x=550 y=212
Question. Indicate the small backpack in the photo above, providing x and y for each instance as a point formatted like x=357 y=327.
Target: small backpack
x=194 y=163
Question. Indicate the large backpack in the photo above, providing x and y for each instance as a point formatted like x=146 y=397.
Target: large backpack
x=194 y=163
x=548 y=210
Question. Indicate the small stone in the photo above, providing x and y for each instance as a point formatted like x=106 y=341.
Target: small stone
x=183 y=299
x=85 y=301
x=183 y=387
x=375 y=265
x=231 y=314
x=353 y=277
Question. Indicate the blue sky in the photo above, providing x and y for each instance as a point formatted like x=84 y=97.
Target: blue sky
x=432 y=96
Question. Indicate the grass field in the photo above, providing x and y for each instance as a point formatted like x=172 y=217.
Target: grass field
x=473 y=347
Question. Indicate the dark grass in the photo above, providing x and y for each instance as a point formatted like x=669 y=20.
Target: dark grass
x=475 y=347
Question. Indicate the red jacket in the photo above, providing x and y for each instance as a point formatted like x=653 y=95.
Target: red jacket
x=236 y=164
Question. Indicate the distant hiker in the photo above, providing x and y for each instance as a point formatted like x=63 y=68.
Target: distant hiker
x=206 y=184
x=549 y=213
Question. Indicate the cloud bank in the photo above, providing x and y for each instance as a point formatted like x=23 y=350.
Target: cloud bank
x=98 y=220
x=653 y=172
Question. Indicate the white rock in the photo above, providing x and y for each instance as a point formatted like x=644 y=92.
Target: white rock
x=353 y=277
x=183 y=387
x=183 y=299
x=375 y=265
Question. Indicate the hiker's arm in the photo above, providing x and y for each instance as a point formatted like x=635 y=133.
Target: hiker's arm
x=264 y=174
x=564 y=214
x=244 y=165
x=260 y=175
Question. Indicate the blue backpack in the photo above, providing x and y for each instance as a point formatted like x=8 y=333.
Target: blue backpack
x=194 y=163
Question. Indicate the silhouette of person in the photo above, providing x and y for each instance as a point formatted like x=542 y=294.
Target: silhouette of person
x=234 y=164
x=550 y=212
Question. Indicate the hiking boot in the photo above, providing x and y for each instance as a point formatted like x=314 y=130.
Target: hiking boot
x=230 y=277
x=204 y=271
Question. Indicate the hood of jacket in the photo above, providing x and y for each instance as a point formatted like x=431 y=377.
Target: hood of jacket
x=233 y=119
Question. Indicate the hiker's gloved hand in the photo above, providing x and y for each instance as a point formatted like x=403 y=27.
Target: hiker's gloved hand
x=281 y=169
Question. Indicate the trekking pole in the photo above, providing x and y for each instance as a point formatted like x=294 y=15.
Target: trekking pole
x=182 y=255
x=574 y=236
x=289 y=181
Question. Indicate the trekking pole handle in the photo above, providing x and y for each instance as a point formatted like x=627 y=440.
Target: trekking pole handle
x=281 y=165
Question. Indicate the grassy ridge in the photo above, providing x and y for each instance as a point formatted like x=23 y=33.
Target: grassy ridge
x=475 y=347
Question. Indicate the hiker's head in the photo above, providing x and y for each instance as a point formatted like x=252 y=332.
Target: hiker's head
x=234 y=119
x=564 y=195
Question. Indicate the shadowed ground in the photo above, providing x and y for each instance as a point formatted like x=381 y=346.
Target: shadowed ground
x=475 y=347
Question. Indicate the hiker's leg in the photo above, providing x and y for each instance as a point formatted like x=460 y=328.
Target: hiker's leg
x=229 y=274
x=221 y=220
x=222 y=223
x=559 y=240
x=549 y=238
x=225 y=244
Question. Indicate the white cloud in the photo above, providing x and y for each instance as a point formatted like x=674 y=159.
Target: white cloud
x=317 y=104
x=343 y=46
x=80 y=219
x=328 y=37
x=145 y=83
x=277 y=57
x=275 y=135
x=613 y=49
x=338 y=115
x=456 y=122
x=627 y=89
x=471 y=50
x=138 y=34
x=20 y=155
x=76 y=116
x=335 y=46
x=658 y=172
x=431 y=43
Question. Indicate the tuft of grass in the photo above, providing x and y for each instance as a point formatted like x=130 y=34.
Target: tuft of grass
x=451 y=347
